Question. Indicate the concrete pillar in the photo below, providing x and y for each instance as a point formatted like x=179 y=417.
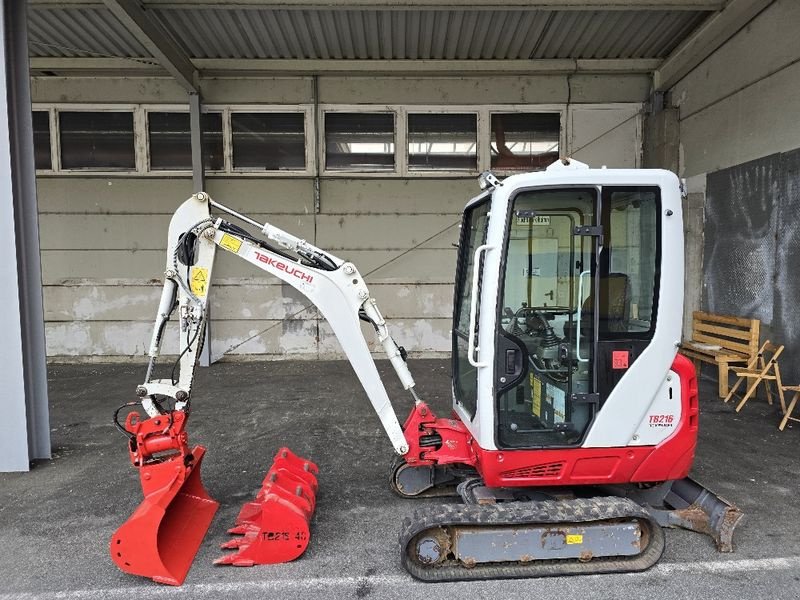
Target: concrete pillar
x=661 y=139
x=24 y=427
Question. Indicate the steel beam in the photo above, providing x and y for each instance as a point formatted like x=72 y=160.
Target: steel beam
x=89 y=66
x=196 y=128
x=152 y=35
x=705 y=40
x=199 y=185
x=25 y=426
x=489 y=5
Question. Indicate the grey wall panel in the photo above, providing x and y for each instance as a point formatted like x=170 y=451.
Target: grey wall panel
x=535 y=89
x=386 y=232
x=746 y=58
x=396 y=196
x=743 y=101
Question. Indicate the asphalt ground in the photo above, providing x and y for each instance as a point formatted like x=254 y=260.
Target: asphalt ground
x=56 y=521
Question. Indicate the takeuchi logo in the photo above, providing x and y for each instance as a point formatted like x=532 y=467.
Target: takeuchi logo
x=282 y=266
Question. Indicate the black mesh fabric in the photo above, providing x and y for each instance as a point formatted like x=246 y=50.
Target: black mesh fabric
x=751 y=237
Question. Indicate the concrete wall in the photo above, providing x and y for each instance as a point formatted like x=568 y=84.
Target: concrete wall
x=103 y=237
x=740 y=104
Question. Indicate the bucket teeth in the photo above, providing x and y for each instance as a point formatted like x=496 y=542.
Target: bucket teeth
x=241 y=529
x=231 y=560
x=275 y=527
x=235 y=543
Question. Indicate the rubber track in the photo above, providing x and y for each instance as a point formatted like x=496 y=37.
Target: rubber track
x=580 y=510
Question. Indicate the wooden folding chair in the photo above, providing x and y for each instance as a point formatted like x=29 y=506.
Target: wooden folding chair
x=762 y=369
x=787 y=412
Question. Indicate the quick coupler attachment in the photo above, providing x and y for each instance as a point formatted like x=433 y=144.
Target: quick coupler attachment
x=275 y=527
x=162 y=536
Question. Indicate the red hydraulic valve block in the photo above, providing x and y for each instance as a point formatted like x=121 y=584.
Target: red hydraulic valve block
x=275 y=527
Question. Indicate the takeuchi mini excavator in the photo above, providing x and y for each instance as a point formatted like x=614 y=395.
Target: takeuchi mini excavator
x=574 y=418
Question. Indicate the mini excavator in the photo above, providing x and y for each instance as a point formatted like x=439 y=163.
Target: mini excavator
x=574 y=419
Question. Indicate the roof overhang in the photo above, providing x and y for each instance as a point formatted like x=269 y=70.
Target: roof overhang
x=189 y=39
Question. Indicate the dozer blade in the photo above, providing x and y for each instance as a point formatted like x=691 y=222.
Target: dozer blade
x=275 y=527
x=699 y=509
x=163 y=534
x=689 y=505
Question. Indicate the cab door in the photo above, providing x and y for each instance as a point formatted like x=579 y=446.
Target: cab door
x=545 y=384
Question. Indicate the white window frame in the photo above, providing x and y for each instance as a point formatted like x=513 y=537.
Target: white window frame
x=55 y=138
x=314 y=134
x=560 y=109
x=307 y=110
x=399 y=139
x=171 y=108
x=141 y=139
x=53 y=126
x=449 y=109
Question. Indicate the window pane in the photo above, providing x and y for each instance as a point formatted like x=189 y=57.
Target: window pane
x=269 y=141
x=437 y=141
x=473 y=234
x=628 y=281
x=525 y=141
x=169 y=134
x=41 y=139
x=97 y=140
x=359 y=141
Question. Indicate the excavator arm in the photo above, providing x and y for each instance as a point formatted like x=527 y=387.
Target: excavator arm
x=162 y=536
x=333 y=285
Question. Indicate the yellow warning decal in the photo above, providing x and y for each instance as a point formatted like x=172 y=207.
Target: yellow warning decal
x=230 y=243
x=575 y=538
x=536 y=386
x=198 y=281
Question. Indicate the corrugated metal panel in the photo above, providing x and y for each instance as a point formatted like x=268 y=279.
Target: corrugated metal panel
x=75 y=32
x=513 y=34
x=218 y=32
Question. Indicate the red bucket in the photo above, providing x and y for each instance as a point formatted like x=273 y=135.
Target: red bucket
x=275 y=527
x=162 y=536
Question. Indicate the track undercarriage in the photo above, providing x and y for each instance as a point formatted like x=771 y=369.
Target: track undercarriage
x=540 y=532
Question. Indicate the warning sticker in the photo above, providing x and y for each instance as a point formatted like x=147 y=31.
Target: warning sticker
x=559 y=404
x=230 y=243
x=575 y=538
x=198 y=281
x=619 y=359
x=536 y=386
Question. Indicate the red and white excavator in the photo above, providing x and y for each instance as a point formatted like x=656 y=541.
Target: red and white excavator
x=574 y=418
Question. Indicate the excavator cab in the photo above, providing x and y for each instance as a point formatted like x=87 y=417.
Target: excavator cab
x=557 y=297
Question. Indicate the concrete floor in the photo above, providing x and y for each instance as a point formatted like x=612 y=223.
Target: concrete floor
x=55 y=521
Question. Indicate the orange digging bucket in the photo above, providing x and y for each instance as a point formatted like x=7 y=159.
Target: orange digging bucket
x=275 y=527
x=163 y=534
